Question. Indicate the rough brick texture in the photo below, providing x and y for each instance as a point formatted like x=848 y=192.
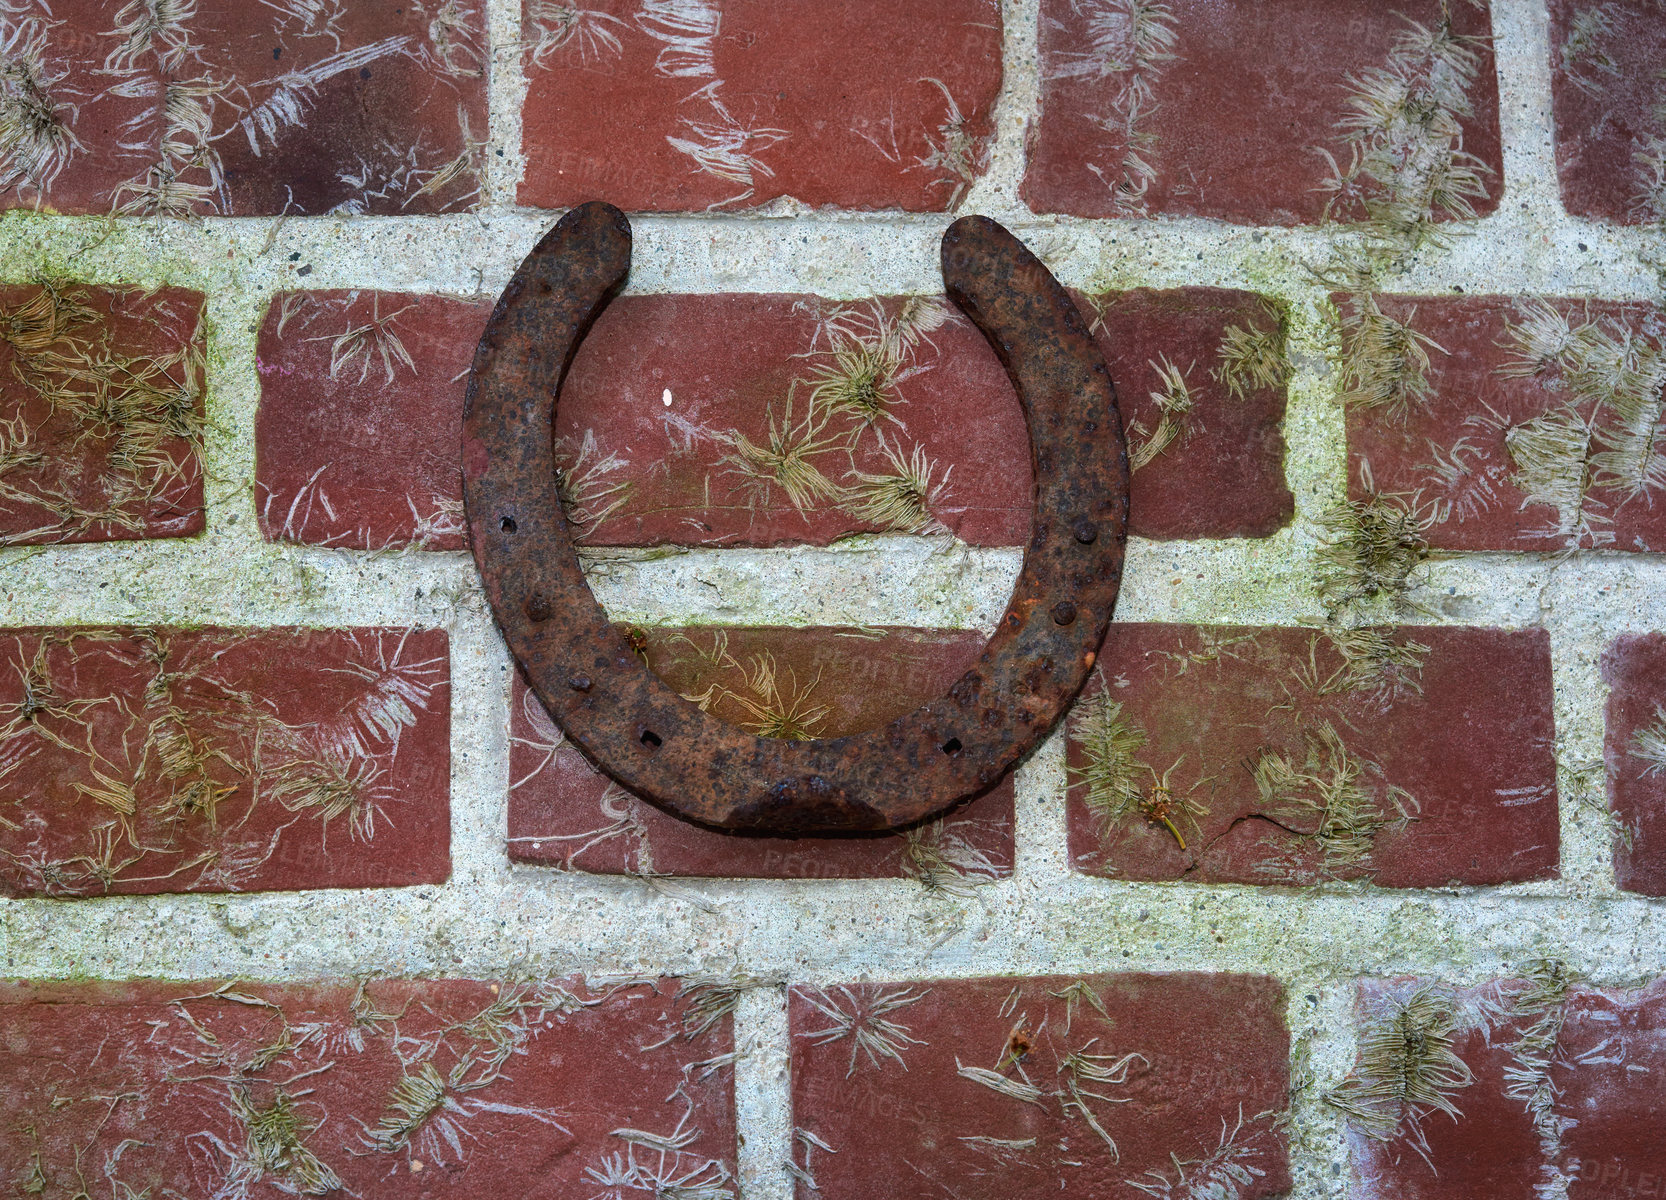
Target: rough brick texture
x=823 y=682
x=1195 y=108
x=361 y=413
x=1510 y=423
x=1525 y=1087
x=1610 y=109
x=392 y=1088
x=1635 y=751
x=897 y=405
x=1031 y=1088
x=673 y=107
x=102 y=395
x=225 y=107
x=1200 y=378
x=216 y=760
x=1413 y=757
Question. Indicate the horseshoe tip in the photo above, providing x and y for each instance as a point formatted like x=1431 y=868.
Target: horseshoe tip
x=594 y=220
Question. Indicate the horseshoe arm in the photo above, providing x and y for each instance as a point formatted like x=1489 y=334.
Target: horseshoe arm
x=664 y=748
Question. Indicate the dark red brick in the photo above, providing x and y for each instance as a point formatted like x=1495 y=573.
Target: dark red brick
x=103 y=397
x=397 y=1088
x=1528 y=1087
x=361 y=411
x=214 y=760
x=1461 y=448
x=1609 y=109
x=362 y=456
x=562 y=812
x=1452 y=726
x=1236 y=124
x=731 y=362
x=682 y=105
x=1458 y=1044
x=744 y=365
x=1612 y=1057
x=226 y=107
x=1635 y=751
x=1223 y=474
x=880 y=1077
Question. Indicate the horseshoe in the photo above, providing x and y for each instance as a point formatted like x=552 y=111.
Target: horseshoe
x=664 y=748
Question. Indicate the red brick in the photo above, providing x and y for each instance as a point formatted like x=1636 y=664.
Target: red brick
x=399 y=1089
x=1460 y=734
x=284 y=107
x=1417 y=1152
x=1448 y=451
x=1635 y=750
x=1612 y=1059
x=682 y=105
x=1223 y=476
x=361 y=413
x=1545 y=1084
x=103 y=394
x=879 y=1077
x=214 y=760
x=562 y=812
x=1236 y=125
x=335 y=468
x=731 y=361
x=1606 y=99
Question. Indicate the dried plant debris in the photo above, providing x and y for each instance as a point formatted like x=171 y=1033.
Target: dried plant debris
x=1323 y=797
x=106 y=396
x=1131 y=43
x=1244 y=755
x=865 y=1016
x=1174 y=403
x=1252 y=357
x=786 y=461
x=947 y=858
x=1606 y=436
x=1407 y=1072
x=1374 y=662
x=1569 y=434
x=38 y=109
x=1370 y=549
x=245 y=1090
x=202 y=114
x=558 y=29
x=1049 y=1085
x=954 y=154
x=1539 y=1008
x=845 y=405
x=1402 y=166
x=1402 y=178
x=1605 y=53
x=1385 y=361
x=899 y=499
x=719 y=143
x=1226 y=1171
x=1648 y=743
x=336 y=473
x=759 y=699
x=152 y=761
x=1118 y=785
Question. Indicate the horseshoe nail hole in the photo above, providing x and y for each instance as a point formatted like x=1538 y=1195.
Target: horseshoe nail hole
x=651 y=739
x=952 y=746
x=507 y=524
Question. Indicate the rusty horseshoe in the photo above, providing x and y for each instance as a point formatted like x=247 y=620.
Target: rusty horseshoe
x=664 y=748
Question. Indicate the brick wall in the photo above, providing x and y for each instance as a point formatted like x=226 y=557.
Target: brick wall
x=1343 y=877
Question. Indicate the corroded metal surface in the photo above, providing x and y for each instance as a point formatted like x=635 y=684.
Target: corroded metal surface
x=663 y=747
